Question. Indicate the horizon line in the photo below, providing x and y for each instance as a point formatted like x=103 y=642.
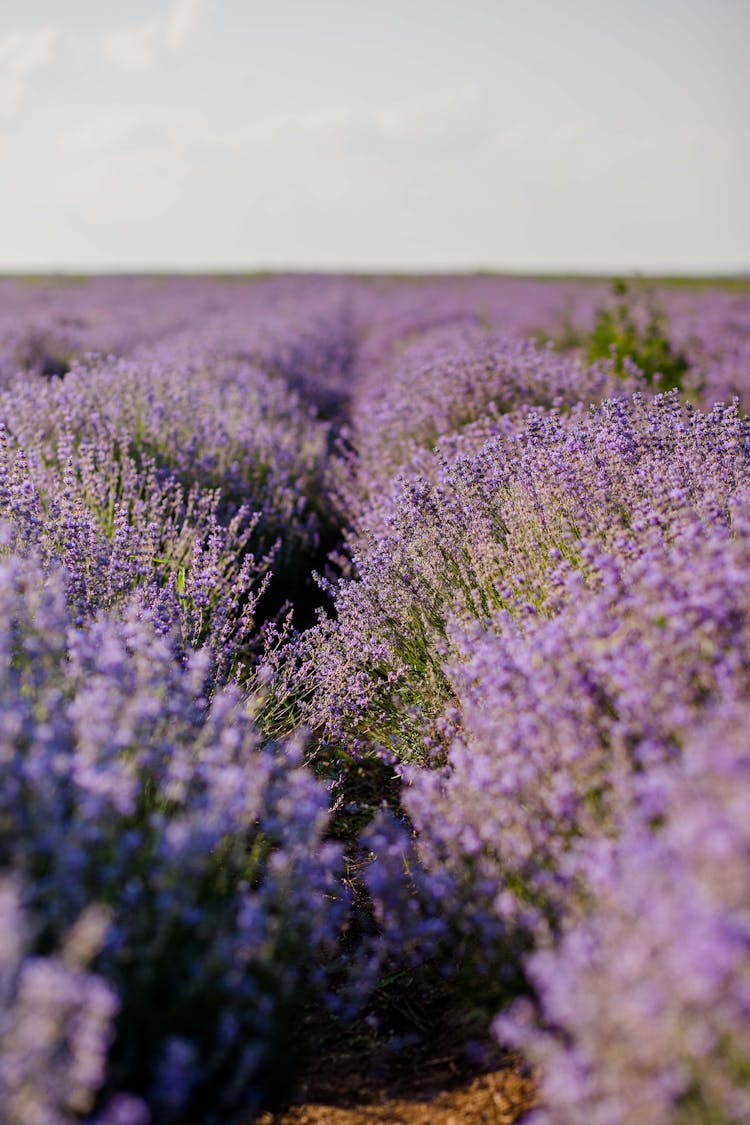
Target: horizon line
x=260 y=271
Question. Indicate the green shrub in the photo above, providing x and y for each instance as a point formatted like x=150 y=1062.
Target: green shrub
x=633 y=327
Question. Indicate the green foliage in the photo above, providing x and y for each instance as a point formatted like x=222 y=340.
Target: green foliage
x=634 y=328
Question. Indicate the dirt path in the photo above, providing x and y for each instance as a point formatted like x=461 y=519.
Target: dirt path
x=497 y=1098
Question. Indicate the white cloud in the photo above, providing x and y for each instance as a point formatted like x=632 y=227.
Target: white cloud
x=140 y=46
x=406 y=118
x=110 y=129
x=409 y=118
x=135 y=47
x=180 y=21
x=21 y=53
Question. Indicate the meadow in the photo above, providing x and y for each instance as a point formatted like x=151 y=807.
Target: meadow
x=365 y=638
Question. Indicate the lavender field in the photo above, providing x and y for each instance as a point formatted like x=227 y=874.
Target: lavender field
x=361 y=634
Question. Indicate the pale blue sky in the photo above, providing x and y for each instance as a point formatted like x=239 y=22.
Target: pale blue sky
x=425 y=134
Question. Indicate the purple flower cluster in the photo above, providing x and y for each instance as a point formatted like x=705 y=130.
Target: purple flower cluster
x=566 y=722
x=56 y=1024
x=579 y=814
x=644 y=1003
x=528 y=524
x=455 y=387
x=127 y=535
x=123 y=785
x=177 y=483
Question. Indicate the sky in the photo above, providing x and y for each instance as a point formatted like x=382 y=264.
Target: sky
x=533 y=135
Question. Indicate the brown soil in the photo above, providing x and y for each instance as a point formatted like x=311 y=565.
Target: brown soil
x=421 y=1057
x=497 y=1098
x=441 y=1076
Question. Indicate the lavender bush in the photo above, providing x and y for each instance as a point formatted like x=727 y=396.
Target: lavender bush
x=644 y=1003
x=184 y=482
x=122 y=532
x=56 y=1024
x=498 y=531
x=124 y=786
x=563 y=723
x=453 y=380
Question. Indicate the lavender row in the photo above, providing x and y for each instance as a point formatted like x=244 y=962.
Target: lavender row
x=644 y=1005
x=583 y=845
x=499 y=531
x=560 y=612
x=454 y=388
x=128 y=782
x=185 y=486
